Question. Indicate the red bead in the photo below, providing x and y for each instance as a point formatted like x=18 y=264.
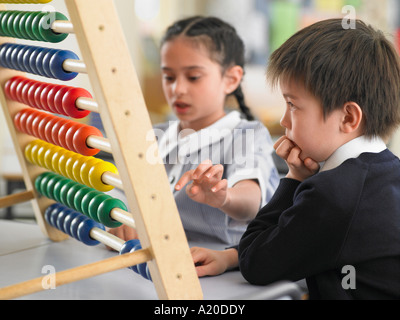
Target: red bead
x=62 y=133
x=12 y=85
x=58 y=100
x=48 y=129
x=37 y=94
x=70 y=135
x=69 y=103
x=31 y=93
x=28 y=122
x=18 y=89
x=17 y=120
x=51 y=96
x=24 y=92
x=56 y=127
x=80 y=137
x=43 y=97
x=35 y=123
x=42 y=126
x=23 y=118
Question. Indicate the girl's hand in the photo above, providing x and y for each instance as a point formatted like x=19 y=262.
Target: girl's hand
x=213 y=263
x=298 y=169
x=207 y=185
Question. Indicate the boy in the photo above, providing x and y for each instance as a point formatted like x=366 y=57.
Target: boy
x=338 y=209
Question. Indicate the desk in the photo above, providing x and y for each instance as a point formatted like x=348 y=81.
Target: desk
x=24 y=251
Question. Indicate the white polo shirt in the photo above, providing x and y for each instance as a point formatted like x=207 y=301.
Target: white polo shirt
x=245 y=150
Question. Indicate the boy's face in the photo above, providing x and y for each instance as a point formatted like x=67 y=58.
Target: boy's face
x=316 y=136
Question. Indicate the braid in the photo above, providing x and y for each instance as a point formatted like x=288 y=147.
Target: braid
x=238 y=93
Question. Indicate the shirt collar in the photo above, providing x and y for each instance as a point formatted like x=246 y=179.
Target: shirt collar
x=353 y=149
x=193 y=142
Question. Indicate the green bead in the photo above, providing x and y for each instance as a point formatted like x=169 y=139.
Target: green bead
x=16 y=25
x=28 y=25
x=64 y=192
x=49 y=186
x=79 y=196
x=35 y=26
x=57 y=189
x=45 y=28
x=22 y=27
x=44 y=184
x=38 y=181
x=10 y=24
x=71 y=194
x=94 y=205
x=86 y=200
x=104 y=211
x=4 y=23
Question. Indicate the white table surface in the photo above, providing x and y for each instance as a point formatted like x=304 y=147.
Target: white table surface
x=24 y=251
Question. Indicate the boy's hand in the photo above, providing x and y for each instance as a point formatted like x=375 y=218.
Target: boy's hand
x=298 y=169
x=213 y=263
x=207 y=186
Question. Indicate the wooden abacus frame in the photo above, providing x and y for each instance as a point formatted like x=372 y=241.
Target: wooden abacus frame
x=124 y=115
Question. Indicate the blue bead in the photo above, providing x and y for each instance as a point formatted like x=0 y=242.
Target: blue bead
x=20 y=58
x=46 y=62
x=39 y=60
x=14 y=58
x=3 y=49
x=28 y=51
x=84 y=232
x=68 y=220
x=48 y=212
x=56 y=65
x=65 y=212
x=75 y=225
x=7 y=55
x=128 y=247
x=33 y=60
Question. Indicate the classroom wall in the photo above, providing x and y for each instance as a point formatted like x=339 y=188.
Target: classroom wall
x=264 y=24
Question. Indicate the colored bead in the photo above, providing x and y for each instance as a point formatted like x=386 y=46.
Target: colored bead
x=87 y=198
x=69 y=102
x=80 y=137
x=75 y=225
x=97 y=171
x=104 y=212
x=94 y=205
x=56 y=65
x=84 y=232
x=78 y=198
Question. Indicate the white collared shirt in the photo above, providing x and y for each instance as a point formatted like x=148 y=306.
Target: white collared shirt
x=245 y=150
x=353 y=149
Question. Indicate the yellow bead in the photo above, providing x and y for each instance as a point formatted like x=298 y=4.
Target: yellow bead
x=86 y=168
x=72 y=157
x=97 y=171
x=76 y=168
x=28 y=152
x=55 y=161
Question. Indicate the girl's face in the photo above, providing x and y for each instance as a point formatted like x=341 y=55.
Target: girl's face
x=193 y=84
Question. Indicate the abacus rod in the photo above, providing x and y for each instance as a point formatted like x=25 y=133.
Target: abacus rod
x=107 y=238
x=87 y=104
x=100 y=143
x=17 y=198
x=112 y=179
x=61 y=26
x=72 y=65
x=77 y=274
x=123 y=216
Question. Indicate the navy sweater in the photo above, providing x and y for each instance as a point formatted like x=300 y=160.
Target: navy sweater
x=348 y=216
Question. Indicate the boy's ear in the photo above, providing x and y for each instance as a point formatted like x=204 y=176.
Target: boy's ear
x=352 y=117
x=233 y=78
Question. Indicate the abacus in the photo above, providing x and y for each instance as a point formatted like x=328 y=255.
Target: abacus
x=65 y=181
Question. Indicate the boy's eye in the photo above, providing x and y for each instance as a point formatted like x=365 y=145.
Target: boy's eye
x=291 y=106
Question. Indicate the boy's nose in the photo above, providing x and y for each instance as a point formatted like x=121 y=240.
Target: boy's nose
x=285 y=121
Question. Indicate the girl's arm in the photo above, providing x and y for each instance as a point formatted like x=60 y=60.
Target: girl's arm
x=241 y=202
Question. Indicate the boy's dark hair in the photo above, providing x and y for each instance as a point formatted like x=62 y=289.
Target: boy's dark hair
x=222 y=41
x=340 y=65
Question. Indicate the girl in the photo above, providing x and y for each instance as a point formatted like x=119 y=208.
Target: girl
x=224 y=161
